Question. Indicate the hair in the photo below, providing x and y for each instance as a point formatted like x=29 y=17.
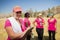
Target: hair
x=27 y=14
x=50 y=15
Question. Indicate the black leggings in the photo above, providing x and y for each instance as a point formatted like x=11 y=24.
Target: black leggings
x=51 y=35
x=28 y=37
x=40 y=32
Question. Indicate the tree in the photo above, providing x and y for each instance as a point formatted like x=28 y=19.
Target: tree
x=31 y=12
x=35 y=13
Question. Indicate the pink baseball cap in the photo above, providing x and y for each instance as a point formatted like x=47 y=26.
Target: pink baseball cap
x=17 y=8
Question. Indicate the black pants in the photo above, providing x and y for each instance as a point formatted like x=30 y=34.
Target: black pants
x=28 y=37
x=51 y=35
x=40 y=32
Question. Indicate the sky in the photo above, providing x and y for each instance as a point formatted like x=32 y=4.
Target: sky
x=6 y=6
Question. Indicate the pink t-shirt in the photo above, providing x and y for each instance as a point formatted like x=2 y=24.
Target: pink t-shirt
x=51 y=24
x=8 y=24
x=26 y=22
x=39 y=22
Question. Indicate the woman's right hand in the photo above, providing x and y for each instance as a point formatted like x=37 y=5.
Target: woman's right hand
x=30 y=28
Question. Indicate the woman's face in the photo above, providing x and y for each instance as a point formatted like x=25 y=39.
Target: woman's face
x=51 y=16
x=18 y=14
x=28 y=16
x=40 y=16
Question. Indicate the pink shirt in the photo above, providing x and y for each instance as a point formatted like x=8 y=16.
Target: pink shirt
x=39 y=22
x=51 y=24
x=8 y=24
x=26 y=22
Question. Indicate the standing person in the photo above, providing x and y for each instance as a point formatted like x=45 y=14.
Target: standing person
x=27 y=24
x=13 y=26
x=52 y=26
x=39 y=22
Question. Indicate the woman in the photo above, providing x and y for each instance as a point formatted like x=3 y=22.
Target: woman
x=27 y=24
x=39 y=22
x=13 y=26
x=52 y=26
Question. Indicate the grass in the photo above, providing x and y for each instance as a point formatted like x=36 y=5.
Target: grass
x=3 y=34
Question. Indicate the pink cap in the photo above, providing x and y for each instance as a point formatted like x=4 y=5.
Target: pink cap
x=16 y=9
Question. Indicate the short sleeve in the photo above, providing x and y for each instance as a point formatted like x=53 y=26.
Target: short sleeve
x=7 y=23
x=48 y=20
x=43 y=20
x=35 y=20
x=55 y=20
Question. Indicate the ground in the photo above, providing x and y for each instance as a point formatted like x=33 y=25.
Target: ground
x=3 y=34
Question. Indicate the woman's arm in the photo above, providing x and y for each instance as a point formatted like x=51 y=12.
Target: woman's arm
x=34 y=23
x=43 y=22
x=55 y=23
x=13 y=35
x=26 y=24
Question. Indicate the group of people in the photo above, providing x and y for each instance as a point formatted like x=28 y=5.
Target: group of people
x=21 y=29
x=40 y=26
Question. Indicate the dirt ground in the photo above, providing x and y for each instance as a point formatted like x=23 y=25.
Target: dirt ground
x=3 y=34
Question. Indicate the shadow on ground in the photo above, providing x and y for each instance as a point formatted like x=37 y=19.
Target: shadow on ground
x=36 y=38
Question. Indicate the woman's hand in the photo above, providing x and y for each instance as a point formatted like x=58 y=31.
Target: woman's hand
x=30 y=28
x=26 y=32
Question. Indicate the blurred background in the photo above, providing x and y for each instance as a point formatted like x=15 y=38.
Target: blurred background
x=34 y=7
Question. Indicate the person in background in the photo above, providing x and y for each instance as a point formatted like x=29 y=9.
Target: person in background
x=39 y=22
x=52 y=27
x=13 y=25
x=27 y=24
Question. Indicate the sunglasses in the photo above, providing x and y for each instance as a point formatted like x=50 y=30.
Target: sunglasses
x=19 y=12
